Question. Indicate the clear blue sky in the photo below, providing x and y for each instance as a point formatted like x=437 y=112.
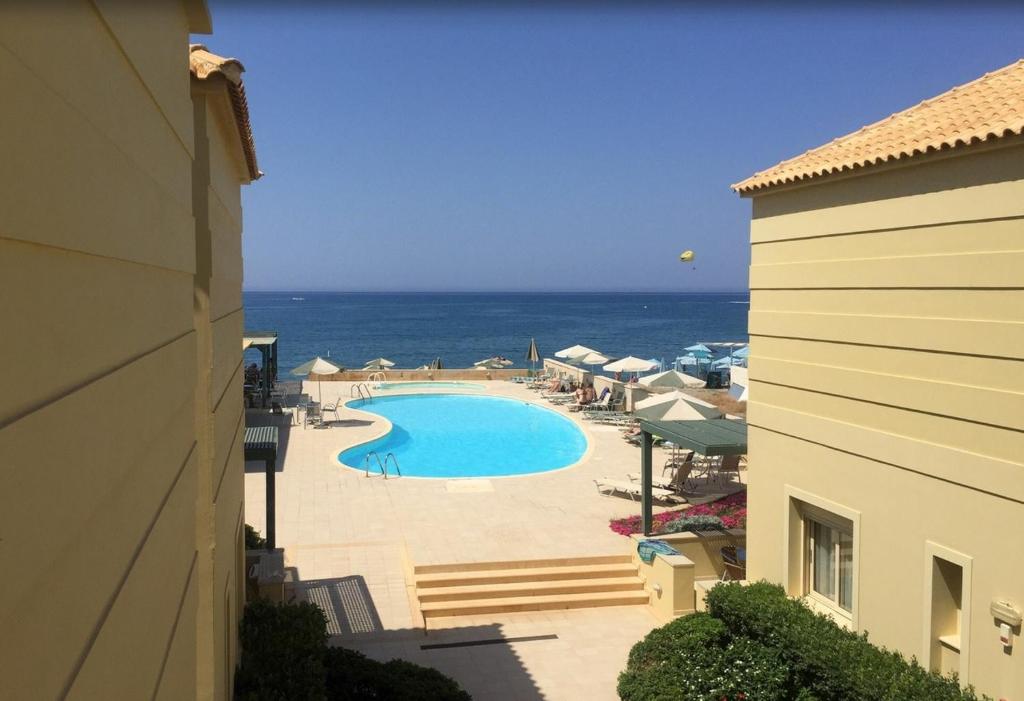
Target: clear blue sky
x=575 y=148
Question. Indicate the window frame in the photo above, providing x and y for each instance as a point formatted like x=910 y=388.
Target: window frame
x=799 y=506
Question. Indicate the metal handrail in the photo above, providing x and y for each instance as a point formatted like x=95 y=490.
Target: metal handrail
x=392 y=458
x=380 y=465
x=362 y=390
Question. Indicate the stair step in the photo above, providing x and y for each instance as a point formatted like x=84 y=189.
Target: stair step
x=516 y=589
x=539 y=574
x=522 y=564
x=533 y=603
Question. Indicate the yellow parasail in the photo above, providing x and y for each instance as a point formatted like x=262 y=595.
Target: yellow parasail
x=686 y=256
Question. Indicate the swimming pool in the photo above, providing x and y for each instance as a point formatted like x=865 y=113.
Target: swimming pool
x=466 y=435
x=440 y=384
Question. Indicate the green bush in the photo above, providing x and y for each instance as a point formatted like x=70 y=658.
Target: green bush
x=285 y=657
x=757 y=643
x=353 y=676
x=830 y=662
x=282 y=652
x=695 y=659
x=253 y=539
x=693 y=523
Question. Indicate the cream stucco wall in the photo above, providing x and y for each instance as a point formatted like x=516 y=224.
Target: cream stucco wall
x=887 y=340
x=103 y=458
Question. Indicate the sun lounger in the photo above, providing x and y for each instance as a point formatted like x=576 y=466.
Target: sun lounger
x=607 y=487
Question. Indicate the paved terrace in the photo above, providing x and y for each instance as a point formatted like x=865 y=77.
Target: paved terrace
x=351 y=540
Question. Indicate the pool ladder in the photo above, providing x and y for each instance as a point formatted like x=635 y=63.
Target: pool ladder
x=362 y=390
x=376 y=378
x=382 y=465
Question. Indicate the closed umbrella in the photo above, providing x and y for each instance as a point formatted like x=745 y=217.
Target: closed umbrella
x=316 y=366
x=533 y=356
x=671 y=378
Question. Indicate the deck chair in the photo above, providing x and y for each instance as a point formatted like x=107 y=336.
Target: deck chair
x=676 y=483
x=332 y=407
x=607 y=487
x=730 y=465
x=734 y=569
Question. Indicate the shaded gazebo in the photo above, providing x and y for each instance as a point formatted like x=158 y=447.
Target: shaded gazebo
x=706 y=437
x=266 y=343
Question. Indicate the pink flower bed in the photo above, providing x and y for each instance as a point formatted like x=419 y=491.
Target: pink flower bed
x=731 y=509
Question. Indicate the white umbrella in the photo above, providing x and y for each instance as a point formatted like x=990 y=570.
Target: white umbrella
x=592 y=359
x=671 y=378
x=630 y=364
x=574 y=352
x=492 y=363
x=706 y=408
x=666 y=406
x=678 y=410
x=316 y=366
x=378 y=364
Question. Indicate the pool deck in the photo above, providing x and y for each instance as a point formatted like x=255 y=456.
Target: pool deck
x=353 y=538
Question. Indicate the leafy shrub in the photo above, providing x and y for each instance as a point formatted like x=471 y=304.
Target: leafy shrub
x=829 y=662
x=353 y=676
x=253 y=539
x=695 y=659
x=756 y=643
x=693 y=523
x=282 y=652
x=285 y=657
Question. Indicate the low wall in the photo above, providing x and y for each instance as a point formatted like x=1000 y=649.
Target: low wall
x=560 y=369
x=672 y=579
x=423 y=375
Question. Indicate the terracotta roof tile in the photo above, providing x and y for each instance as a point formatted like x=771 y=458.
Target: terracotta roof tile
x=991 y=107
x=203 y=64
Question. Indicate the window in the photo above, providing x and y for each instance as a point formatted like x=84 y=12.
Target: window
x=830 y=560
x=821 y=555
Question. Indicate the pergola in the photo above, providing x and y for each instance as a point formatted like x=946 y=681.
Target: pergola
x=707 y=437
x=261 y=444
x=266 y=343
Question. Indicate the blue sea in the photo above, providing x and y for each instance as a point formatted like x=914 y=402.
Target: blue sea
x=461 y=328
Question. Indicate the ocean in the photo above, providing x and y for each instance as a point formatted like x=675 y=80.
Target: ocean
x=412 y=329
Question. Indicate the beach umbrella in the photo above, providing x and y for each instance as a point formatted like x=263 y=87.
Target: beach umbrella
x=378 y=364
x=574 y=352
x=667 y=406
x=593 y=359
x=659 y=365
x=630 y=364
x=492 y=363
x=316 y=366
x=671 y=378
x=677 y=410
x=743 y=352
x=698 y=350
x=533 y=356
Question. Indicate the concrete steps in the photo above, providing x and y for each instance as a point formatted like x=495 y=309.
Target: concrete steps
x=462 y=589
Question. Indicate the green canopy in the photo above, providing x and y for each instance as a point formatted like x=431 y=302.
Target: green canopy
x=707 y=437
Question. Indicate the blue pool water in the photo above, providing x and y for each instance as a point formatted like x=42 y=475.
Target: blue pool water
x=459 y=435
x=439 y=384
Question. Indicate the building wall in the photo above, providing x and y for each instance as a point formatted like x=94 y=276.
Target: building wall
x=100 y=459
x=887 y=377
